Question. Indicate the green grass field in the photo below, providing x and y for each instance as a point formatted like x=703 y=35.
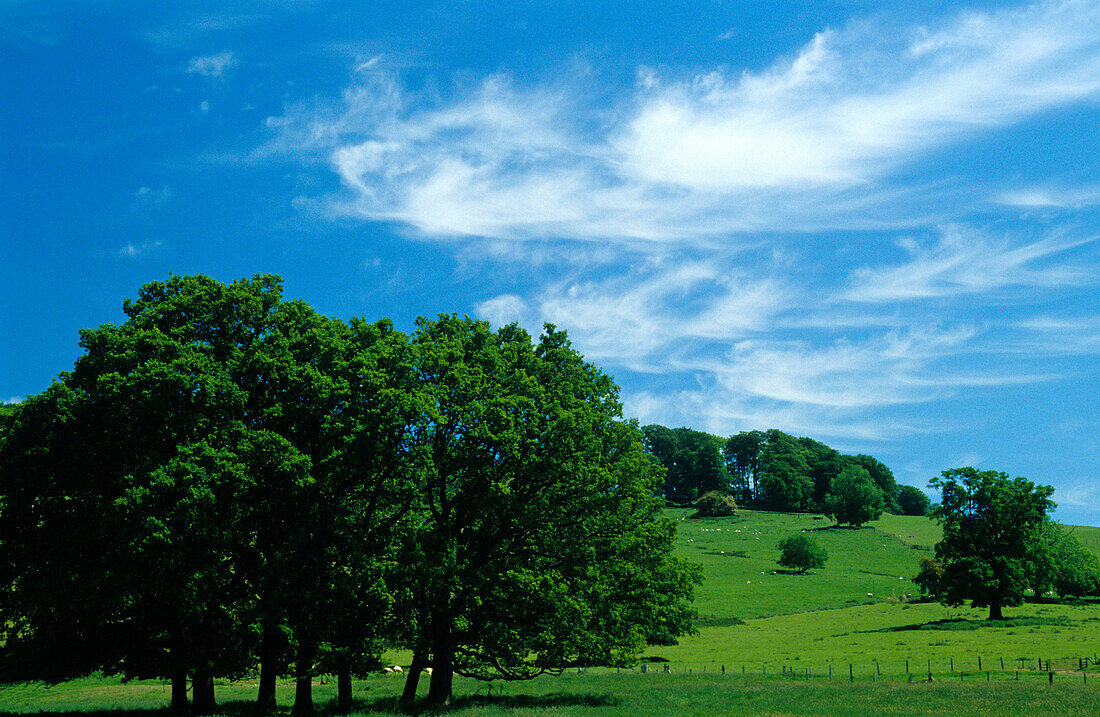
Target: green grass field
x=607 y=694
x=788 y=644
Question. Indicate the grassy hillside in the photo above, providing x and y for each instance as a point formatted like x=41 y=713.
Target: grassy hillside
x=738 y=556
x=859 y=609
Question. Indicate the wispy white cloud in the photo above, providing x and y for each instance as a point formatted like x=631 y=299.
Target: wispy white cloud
x=963 y=261
x=801 y=144
x=763 y=350
x=1055 y=335
x=211 y=65
x=1051 y=196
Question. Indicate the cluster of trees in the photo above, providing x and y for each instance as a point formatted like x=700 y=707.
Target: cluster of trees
x=999 y=543
x=230 y=482
x=775 y=470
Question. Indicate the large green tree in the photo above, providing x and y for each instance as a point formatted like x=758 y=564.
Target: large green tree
x=232 y=464
x=993 y=547
x=541 y=538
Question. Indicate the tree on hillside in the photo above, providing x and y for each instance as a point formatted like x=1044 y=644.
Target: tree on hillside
x=786 y=483
x=824 y=464
x=993 y=546
x=854 y=498
x=913 y=501
x=742 y=456
x=883 y=478
x=801 y=552
x=541 y=539
x=692 y=460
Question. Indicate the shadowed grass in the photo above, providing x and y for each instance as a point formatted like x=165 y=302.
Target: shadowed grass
x=608 y=694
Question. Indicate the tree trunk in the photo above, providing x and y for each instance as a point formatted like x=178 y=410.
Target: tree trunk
x=269 y=671
x=439 y=689
x=179 y=706
x=412 y=680
x=995 y=611
x=343 y=685
x=303 y=679
x=202 y=692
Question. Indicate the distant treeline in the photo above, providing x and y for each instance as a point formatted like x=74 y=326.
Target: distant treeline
x=767 y=469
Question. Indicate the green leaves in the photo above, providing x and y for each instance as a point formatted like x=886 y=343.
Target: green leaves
x=993 y=548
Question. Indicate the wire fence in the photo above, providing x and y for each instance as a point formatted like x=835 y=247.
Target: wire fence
x=1084 y=669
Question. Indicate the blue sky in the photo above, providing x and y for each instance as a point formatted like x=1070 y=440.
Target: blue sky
x=876 y=224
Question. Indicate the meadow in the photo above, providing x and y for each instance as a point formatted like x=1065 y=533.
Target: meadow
x=851 y=638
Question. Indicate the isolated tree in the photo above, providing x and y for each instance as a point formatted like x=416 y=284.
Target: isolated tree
x=715 y=504
x=993 y=547
x=541 y=538
x=853 y=498
x=801 y=552
x=913 y=501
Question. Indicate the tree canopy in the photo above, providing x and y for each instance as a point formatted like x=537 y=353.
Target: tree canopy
x=853 y=497
x=252 y=482
x=801 y=552
x=913 y=501
x=993 y=547
x=692 y=461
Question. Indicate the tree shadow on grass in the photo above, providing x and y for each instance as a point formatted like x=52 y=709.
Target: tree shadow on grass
x=963 y=624
x=231 y=708
x=390 y=705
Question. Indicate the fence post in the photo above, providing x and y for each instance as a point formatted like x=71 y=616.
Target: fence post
x=851 y=677
x=1050 y=675
x=979 y=663
x=830 y=671
x=907 y=667
x=952 y=664
x=1002 y=663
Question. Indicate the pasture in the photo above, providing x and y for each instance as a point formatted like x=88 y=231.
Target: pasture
x=848 y=639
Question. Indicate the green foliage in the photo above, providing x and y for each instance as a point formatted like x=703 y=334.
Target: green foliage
x=538 y=539
x=883 y=478
x=692 y=461
x=993 y=547
x=1076 y=571
x=854 y=498
x=741 y=453
x=913 y=501
x=786 y=484
x=715 y=504
x=801 y=552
